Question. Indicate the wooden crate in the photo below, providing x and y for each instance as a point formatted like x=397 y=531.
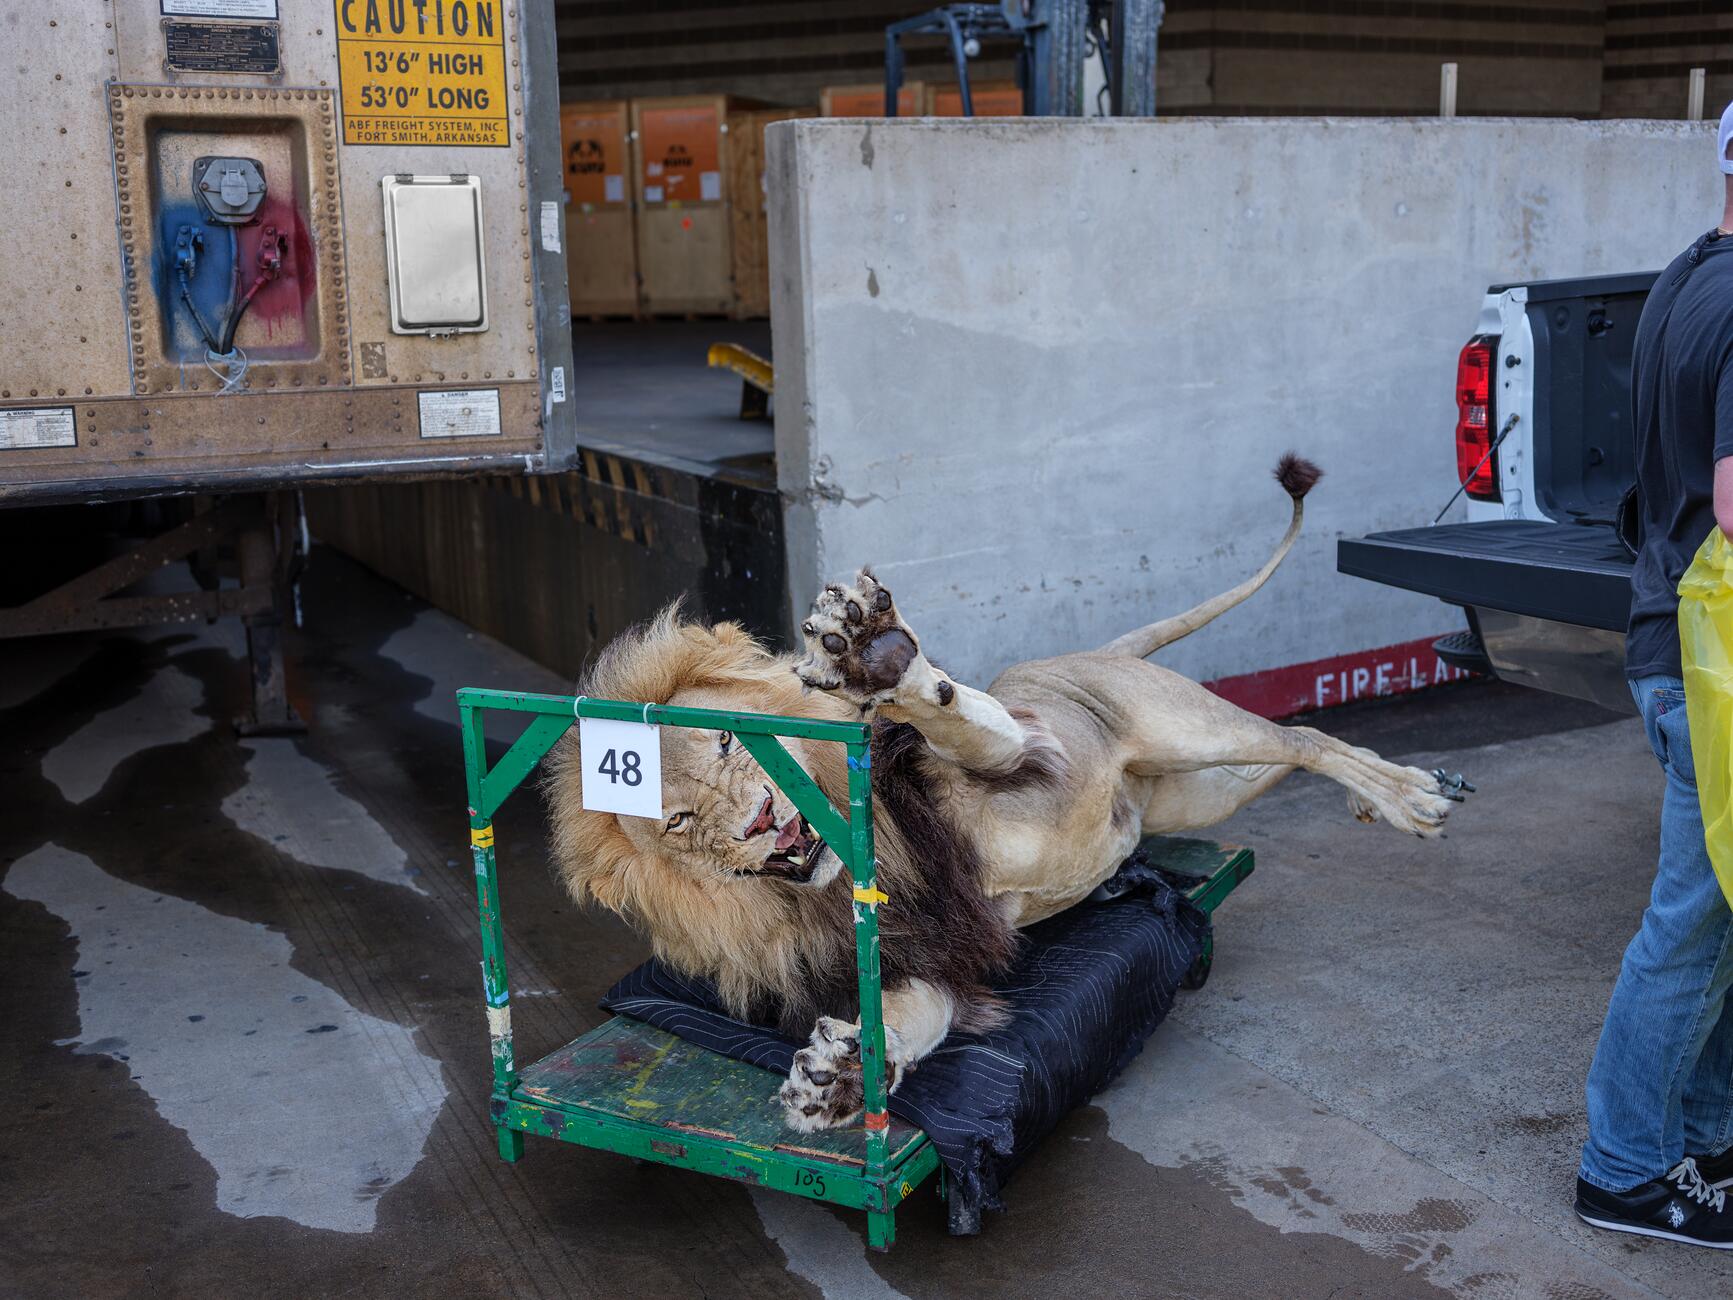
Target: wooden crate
x=702 y=231
x=601 y=237
x=685 y=245
x=868 y=100
x=750 y=221
x=989 y=98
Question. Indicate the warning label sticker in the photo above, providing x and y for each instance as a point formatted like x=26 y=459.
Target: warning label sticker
x=460 y=413
x=417 y=72
x=220 y=8
x=38 y=426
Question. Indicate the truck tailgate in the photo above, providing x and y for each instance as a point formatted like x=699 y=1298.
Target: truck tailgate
x=1568 y=573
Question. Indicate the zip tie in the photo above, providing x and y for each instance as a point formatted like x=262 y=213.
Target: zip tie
x=235 y=360
x=872 y=895
x=576 y=703
x=647 y=709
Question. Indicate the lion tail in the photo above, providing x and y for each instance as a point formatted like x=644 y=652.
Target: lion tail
x=1297 y=476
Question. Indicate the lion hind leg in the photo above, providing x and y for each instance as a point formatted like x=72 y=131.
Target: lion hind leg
x=1408 y=798
x=1190 y=801
x=1224 y=736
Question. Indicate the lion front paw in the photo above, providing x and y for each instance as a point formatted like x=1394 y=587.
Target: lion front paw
x=857 y=645
x=824 y=1088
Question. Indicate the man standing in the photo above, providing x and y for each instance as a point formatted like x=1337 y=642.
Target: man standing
x=1660 y=1092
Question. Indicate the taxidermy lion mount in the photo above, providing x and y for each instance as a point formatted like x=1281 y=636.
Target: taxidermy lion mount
x=992 y=810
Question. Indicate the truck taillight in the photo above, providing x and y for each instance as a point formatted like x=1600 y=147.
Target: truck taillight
x=1476 y=465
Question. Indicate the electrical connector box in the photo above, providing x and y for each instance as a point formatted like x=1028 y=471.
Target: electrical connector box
x=202 y=289
x=229 y=190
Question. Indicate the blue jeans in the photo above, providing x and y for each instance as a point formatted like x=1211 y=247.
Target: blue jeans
x=1661 y=1086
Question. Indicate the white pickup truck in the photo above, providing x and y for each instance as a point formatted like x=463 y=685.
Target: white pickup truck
x=1544 y=454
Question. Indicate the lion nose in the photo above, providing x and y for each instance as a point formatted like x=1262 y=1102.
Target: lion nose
x=765 y=821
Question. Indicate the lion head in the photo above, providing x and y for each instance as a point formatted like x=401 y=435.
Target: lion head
x=723 y=882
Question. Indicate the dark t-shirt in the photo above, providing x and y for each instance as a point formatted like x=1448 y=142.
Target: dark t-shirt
x=1682 y=392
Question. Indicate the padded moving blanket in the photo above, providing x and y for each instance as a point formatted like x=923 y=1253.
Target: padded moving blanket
x=1087 y=988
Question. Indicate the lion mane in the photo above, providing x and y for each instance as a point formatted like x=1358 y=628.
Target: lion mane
x=780 y=953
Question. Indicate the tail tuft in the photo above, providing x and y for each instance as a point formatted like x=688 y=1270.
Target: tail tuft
x=1297 y=475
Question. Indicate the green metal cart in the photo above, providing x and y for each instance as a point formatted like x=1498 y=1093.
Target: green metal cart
x=630 y=1088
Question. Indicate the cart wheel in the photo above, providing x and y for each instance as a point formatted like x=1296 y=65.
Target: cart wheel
x=963 y=1215
x=1198 y=975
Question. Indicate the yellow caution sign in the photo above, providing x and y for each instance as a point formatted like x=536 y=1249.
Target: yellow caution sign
x=418 y=72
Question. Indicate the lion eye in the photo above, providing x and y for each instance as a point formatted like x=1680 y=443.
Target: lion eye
x=678 y=821
x=726 y=740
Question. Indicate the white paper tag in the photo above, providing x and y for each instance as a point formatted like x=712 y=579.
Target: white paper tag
x=622 y=767
x=550 y=227
x=38 y=426
x=557 y=384
x=614 y=189
x=460 y=413
x=709 y=186
x=652 y=194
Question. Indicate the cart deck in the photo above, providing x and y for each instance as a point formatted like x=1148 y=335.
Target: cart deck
x=636 y=1090
x=628 y=1087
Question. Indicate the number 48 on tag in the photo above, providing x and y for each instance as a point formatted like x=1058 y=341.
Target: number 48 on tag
x=622 y=767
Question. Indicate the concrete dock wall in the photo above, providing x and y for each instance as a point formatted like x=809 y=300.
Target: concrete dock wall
x=1037 y=372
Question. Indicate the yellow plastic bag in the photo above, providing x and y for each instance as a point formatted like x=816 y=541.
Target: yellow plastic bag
x=1706 y=640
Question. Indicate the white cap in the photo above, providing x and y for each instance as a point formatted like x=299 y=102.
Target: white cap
x=1726 y=134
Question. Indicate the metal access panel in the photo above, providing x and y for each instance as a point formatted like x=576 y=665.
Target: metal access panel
x=435 y=257
x=257 y=243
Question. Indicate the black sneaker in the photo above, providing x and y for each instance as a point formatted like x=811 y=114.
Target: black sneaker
x=1679 y=1207
x=1717 y=1171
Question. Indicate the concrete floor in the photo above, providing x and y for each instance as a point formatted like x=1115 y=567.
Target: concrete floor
x=242 y=1045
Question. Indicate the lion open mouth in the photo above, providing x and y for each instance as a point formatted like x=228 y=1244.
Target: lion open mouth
x=797 y=846
x=797 y=850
